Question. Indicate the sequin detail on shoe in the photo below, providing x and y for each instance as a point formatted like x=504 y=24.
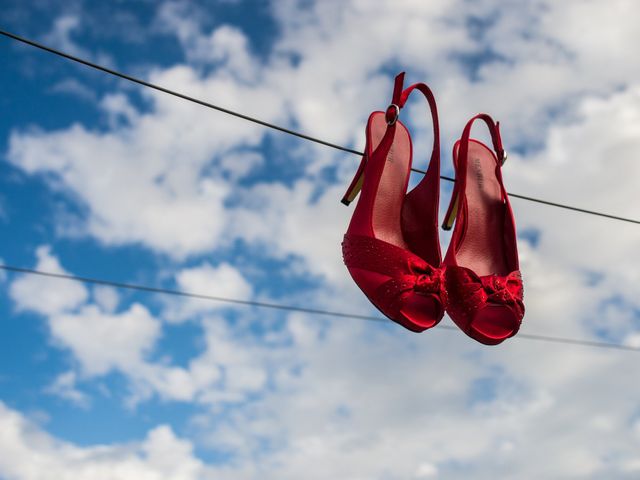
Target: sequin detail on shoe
x=408 y=273
x=468 y=293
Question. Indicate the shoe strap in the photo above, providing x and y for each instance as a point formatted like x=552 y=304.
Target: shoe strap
x=463 y=153
x=398 y=101
x=393 y=110
x=494 y=130
x=421 y=204
x=428 y=94
x=462 y=161
x=427 y=190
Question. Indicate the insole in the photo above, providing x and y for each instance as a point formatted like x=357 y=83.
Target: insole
x=482 y=246
x=393 y=183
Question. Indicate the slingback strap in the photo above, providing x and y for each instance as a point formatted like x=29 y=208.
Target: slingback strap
x=399 y=100
x=461 y=167
x=392 y=113
x=391 y=116
x=494 y=130
x=428 y=94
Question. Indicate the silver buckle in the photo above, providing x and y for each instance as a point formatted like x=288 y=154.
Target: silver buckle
x=395 y=118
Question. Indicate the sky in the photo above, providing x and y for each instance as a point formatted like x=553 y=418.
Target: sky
x=106 y=179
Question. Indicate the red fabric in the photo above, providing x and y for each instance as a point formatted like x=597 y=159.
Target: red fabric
x=467 y=293
x=405 y=286
x=488 y=308
x=407 y=272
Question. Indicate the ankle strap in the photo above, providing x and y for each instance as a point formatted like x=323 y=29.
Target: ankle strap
x=460 y=166
x=426 y=91
x=393 y=111
x=431 y=180
x=494 y=130
x=399 y=99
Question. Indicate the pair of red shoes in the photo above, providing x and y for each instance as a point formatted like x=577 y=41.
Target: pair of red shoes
x=392 y=249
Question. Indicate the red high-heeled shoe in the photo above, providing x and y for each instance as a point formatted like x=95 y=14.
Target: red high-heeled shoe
x=482 y=277
x=389 y=224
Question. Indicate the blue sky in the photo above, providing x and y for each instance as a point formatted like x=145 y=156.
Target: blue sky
x=106 y=179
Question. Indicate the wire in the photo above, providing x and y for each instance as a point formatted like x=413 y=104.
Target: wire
x=290 y=308
x=277 y=127
x=306 y=137
x=174 y=93
x=145 y=288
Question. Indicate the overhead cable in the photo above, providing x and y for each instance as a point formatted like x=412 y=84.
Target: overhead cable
x=274 y=126
x=291 y=308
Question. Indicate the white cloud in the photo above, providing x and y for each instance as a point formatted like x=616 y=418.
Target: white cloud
x=151 y=211
x=583 y=249
x=409 y=406
x=64 y=386
x=225 y=46
x=71 y=86
x=239 y=164
x=102 y=341
x=28 y=453
x=359 y=400
x=296 y=220
x=46 y=296
x=107 y=298
x=221 y=281
x=156 y=161
x=426 y=470
x=61 y=37
x=229 y=368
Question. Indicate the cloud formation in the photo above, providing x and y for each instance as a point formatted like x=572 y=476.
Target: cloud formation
x=274 y=395
x=28 y=453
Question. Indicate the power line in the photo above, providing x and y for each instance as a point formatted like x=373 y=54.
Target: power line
x=273 y=126
x=305 y=137
x=174 y=93
x=290 y=308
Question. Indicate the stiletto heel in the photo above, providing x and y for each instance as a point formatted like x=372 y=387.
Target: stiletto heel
x=387 y=222
x=356 y=183
x=482 y=277
x=452 y=211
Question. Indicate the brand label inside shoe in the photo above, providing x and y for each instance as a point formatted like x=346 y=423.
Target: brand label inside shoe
x=477 y=170
x=390 y=155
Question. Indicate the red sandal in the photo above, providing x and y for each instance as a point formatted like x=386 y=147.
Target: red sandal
x=482 y=277
x=391 y=247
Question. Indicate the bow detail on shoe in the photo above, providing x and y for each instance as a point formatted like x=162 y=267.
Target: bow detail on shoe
x=469 y=292
x=427 y=280
x=406 y=272
x=505 y=290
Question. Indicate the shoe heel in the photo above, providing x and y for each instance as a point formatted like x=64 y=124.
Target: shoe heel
x=452 y=211
x=356 y=183
x=454 y=203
